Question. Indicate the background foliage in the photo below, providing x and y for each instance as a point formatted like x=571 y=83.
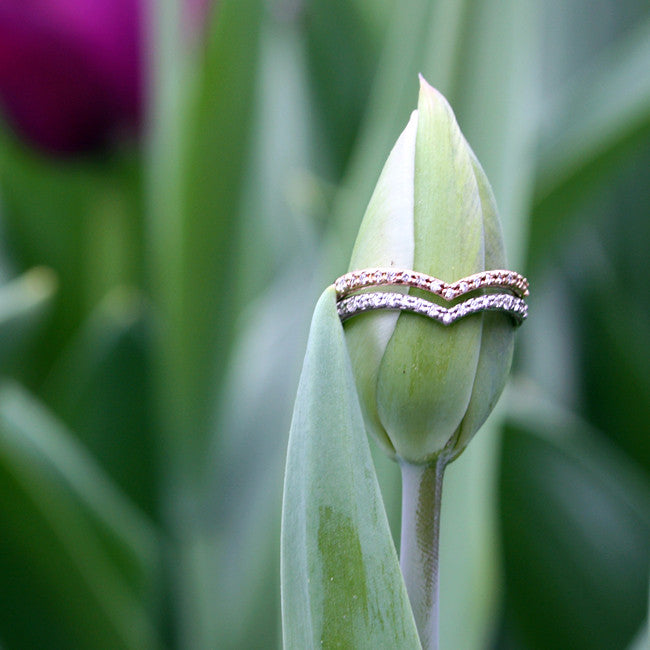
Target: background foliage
x=155 y=305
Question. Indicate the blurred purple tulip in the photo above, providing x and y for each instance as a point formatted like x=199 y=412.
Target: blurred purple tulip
x=71 y=72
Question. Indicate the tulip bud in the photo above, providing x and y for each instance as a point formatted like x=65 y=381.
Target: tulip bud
x=426 y=388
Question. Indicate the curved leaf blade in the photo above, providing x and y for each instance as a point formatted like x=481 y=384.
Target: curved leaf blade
x=341 y=582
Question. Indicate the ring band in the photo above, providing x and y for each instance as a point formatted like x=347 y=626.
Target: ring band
x=375 y=277
x=511 y=305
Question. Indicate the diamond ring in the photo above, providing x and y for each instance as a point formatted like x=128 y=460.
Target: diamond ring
x=511 y=303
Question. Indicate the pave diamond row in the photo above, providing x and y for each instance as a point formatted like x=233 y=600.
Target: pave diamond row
x=507 y=303
x=498 y=279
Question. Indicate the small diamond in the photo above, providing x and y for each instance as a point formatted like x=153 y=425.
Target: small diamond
x=463 y=287
x=447 y=318
x=449 y=294
x=374 y=300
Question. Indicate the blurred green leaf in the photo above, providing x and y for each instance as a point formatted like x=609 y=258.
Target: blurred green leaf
x=341 y=583
x=196 y=160
x=101 y=387
x=63 y=213
x=389 y=105
x=278 y=214
x=598 y=122
x=469 y=567
x=496 y=98
x=575 y=518
x=67 y=529
x=343 y=46
x=23 y=303
x=241 y=557
x=616 y=375
x=235 y=555
x=642 y=639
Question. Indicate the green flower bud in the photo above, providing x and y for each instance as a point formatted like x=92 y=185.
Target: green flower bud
x=425 y=389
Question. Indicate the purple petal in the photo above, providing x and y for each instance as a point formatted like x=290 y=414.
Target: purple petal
x=71 y=71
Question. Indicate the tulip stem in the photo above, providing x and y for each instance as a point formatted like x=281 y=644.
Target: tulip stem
x=421 y=503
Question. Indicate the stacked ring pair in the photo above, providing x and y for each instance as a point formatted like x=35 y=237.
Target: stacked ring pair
x=491 y=284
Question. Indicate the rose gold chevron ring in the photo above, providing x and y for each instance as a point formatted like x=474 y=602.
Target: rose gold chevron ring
x=511 y=304
x=377 y=277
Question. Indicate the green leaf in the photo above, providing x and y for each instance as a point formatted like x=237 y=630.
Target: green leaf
x=23 y=302
x=341 y=582
x=642 y=639
x=69 y=531
x=469 y=568
x=343 y=53
x=237 y=556
x=599 y=121
x=196 y=163
x=576 y=530
x=77 y=217
x=101 y=387
x=279 y=214
x=496 y=99
x=197 y=153
x=389 y=105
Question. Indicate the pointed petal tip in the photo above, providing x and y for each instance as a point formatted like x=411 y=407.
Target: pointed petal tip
x=431 y=92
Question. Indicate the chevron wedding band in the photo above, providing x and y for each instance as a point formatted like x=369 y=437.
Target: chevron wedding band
x=514 y=307
x=511 y=303
x=376 y=277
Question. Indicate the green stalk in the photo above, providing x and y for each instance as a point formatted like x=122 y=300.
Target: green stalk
x=421 y=504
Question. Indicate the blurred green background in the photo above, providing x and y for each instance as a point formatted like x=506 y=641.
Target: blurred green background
x=158 y=278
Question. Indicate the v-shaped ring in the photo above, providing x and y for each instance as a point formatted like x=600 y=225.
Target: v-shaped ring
x=376 y=277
